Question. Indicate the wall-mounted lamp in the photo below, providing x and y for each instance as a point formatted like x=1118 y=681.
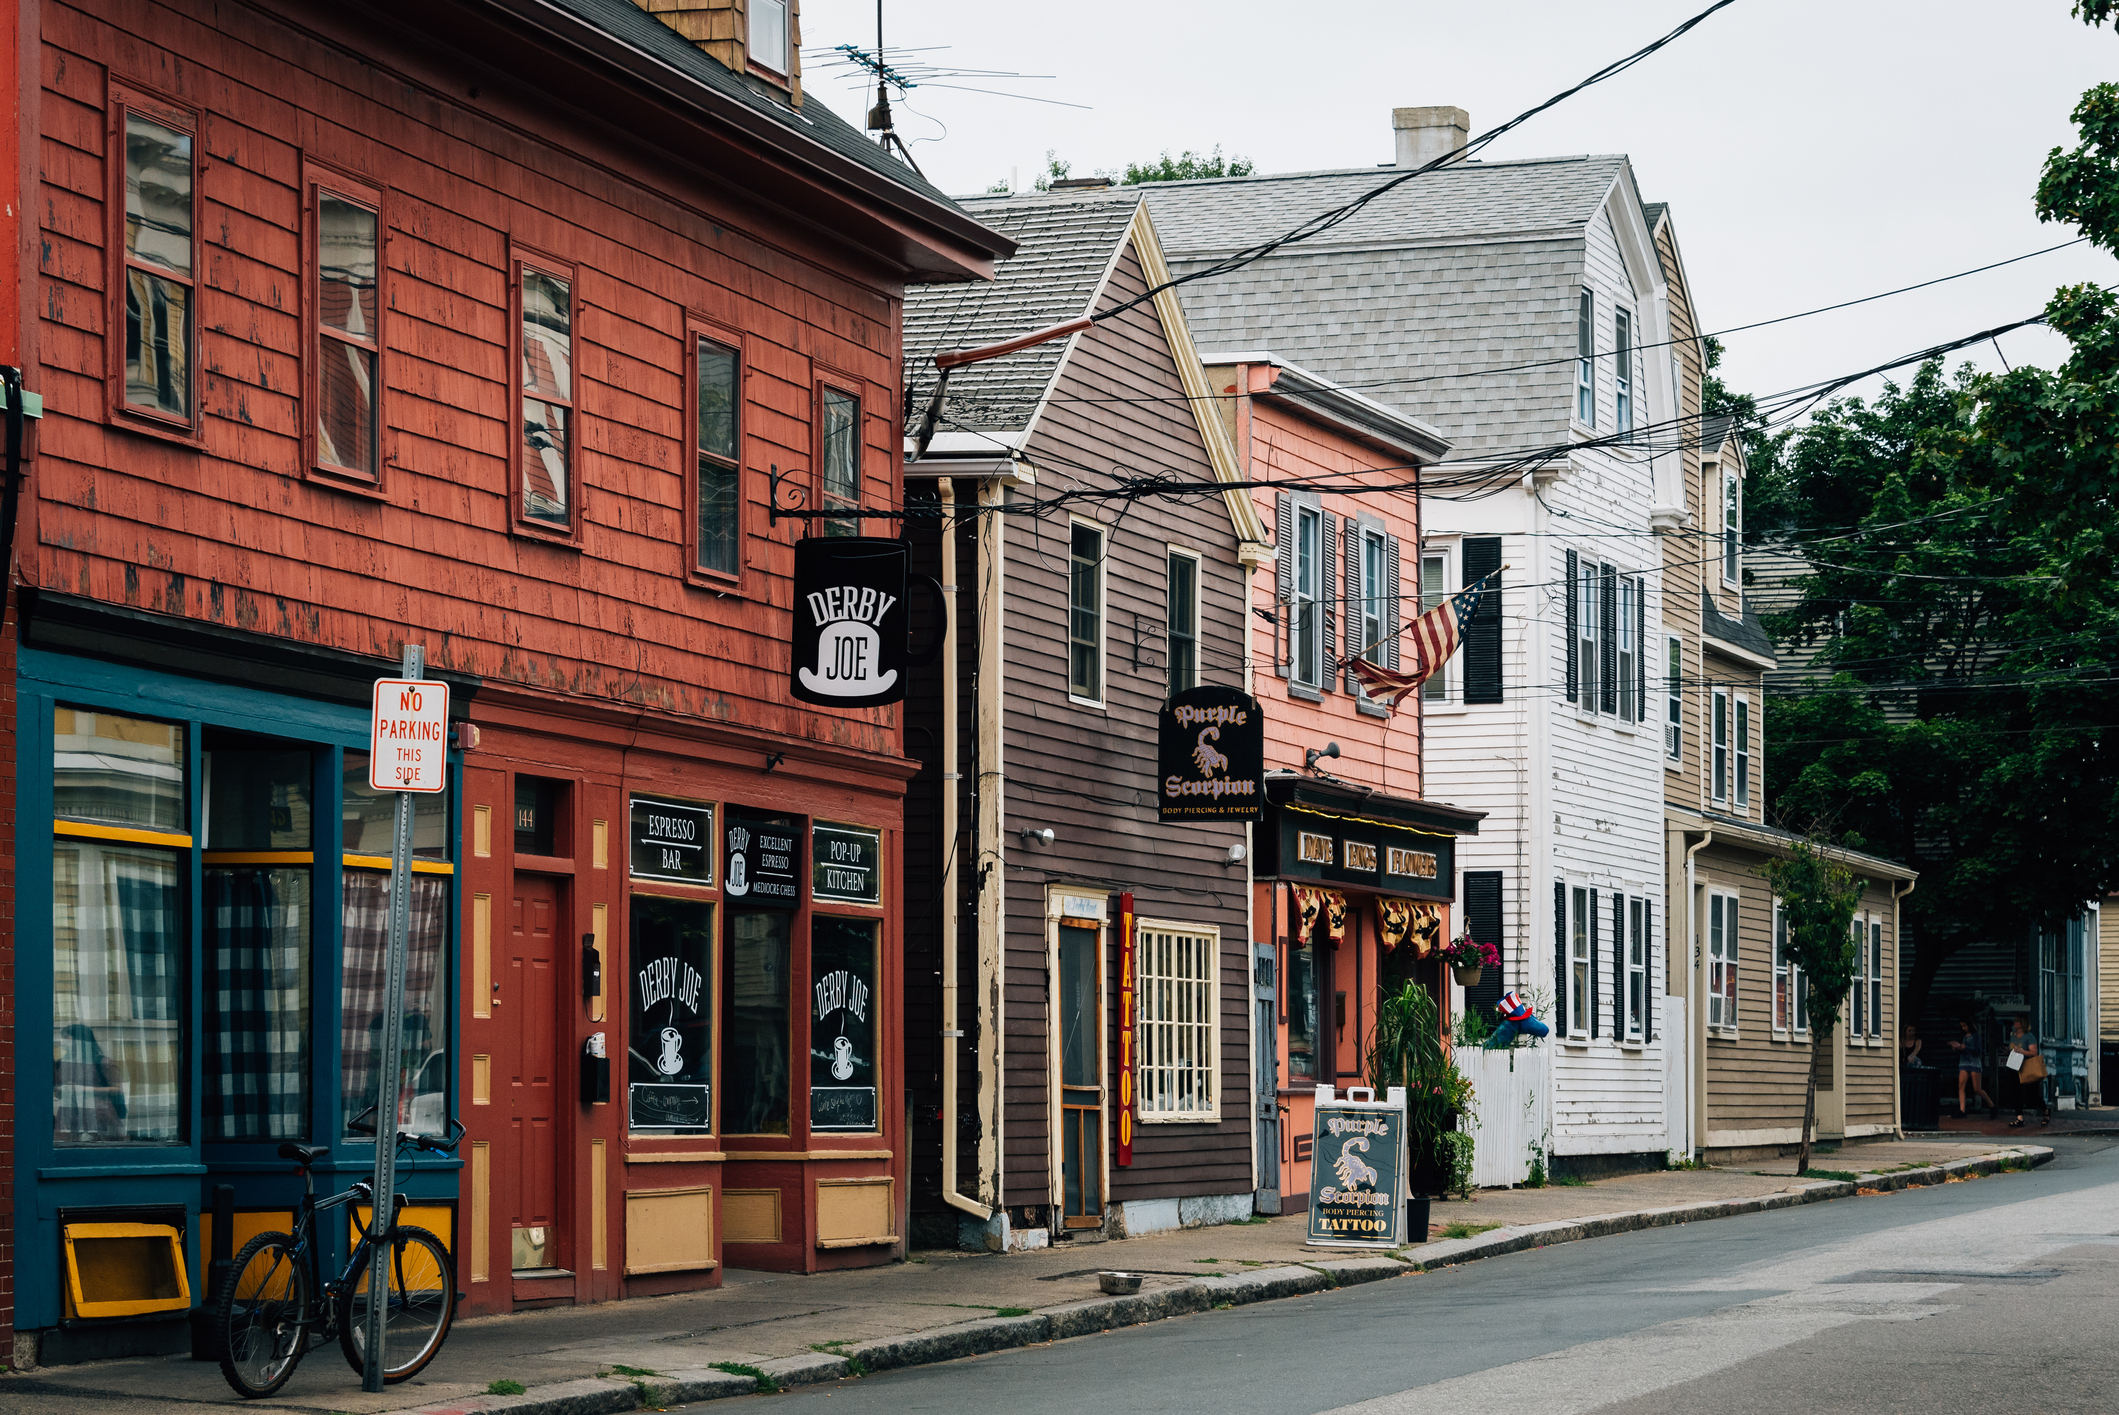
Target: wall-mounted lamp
x=1044 y=836
x=1309 y=758
x=1235 y=856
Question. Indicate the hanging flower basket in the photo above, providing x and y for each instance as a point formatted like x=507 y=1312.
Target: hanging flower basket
x=1468 y=976
x=1469 y=959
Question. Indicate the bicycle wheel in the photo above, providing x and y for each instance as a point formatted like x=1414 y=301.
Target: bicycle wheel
x=421 y=1301
x=263 y=1315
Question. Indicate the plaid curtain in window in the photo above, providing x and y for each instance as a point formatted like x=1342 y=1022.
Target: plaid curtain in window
x=364 y=944
x=117 y=1023
x=257 y=1003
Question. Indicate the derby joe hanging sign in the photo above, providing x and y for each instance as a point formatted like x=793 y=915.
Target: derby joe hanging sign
x=1212 y=757
x=850 y=621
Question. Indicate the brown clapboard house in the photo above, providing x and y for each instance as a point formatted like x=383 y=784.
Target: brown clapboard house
x=1750 y=1042
x=1036 y=810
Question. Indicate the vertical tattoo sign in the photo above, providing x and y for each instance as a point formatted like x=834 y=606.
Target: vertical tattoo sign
x=1128 y=1028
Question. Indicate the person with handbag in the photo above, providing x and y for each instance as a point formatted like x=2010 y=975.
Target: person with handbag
x=2025 y=1068
x=1969 y=1068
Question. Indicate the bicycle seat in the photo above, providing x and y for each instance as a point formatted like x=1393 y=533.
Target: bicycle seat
x=305 y=1155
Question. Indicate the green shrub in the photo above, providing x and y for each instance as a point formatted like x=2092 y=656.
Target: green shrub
x=505 y=1387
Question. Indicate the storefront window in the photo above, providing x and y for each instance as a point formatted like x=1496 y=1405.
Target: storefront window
x=842 y=1033
x=756 y=1054
x=369 y=816
x=1302 y=1009
x=257 y=1003
x=670 y=1063
x=424 y=1078
x=119 y=770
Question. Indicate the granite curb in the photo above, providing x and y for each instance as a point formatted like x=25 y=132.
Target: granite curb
x=991 y=1334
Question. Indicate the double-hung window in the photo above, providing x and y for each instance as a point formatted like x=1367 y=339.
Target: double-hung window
x=1858 y=1021
x=769 y=43
x=1876 y=976
x=1581 y=1003
x=1718 y=768
x=1374 y=621
x=1637 y=925
x=1182 y=594
x=1434 y=589
x=1179 y=1020
x=544 y=301
x=156 y=265
x=1622 y=370
x=1586 y=360
x=1085 y=613
x=839 y=457
x=1791 y=986
x=1732 y=527
x=717 y=373
x=1743 y=751
x=1674 y=698
x=346 y=326
x=1722 y=947
x=1589 y=594
x=1305 y=614
x=1629 y=660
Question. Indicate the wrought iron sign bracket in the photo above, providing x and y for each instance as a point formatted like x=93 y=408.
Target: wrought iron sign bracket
x=775 y=514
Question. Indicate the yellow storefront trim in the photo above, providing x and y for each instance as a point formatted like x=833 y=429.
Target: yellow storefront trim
x=83 y=831
x=382 y=862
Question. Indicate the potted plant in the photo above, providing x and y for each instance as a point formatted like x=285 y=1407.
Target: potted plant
x=1469 y=959
x=1408 y=1049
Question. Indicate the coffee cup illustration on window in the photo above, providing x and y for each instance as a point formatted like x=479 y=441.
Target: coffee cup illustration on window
x=672 y=1059
x=842 y=1060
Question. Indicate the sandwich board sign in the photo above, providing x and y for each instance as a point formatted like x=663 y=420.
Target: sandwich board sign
x=1357 y=1170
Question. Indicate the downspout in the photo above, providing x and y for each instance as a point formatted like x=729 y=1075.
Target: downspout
x=952 y=1028
x=991 y=854
x=1697 y=1072
x=1898 y=944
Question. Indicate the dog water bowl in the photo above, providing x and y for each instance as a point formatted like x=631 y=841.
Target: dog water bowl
x=1119 y=1284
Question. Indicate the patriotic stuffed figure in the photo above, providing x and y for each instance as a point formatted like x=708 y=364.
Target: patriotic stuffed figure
x=1516 y=1020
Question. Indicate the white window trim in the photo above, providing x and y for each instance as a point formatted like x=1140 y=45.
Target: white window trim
x=1585 y=363
x=1717 y=720
x=1622 y=380
x=1171 y=552
x=1632 y=602
x=1732 y=521
x=1878 y=977
x=1442 y=697
x=1573 y=1008
x=1103 y=616
x=1588 y=590
x=787 y=47
x=1673 y=705
x=1798 y=1027
x=1633 y=1030
x=1211 y=937
x=1298 y=597
x=1740 y=756
x=1732 y=956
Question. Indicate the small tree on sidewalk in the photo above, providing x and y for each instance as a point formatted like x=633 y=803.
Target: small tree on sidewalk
x=1818 y=895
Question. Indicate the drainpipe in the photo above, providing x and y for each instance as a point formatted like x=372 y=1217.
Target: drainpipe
x=952 y=1030
x=1898 y=943
x=991 y=855
x=1697 y=1072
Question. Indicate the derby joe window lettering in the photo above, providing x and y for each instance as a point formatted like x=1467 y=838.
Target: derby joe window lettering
x=846 y=865
x=669 y=1063
x=672 y=840
x=842 y=1028
x=764 y=860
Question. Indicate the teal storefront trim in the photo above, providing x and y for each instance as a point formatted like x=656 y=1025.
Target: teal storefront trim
x=62 y=1182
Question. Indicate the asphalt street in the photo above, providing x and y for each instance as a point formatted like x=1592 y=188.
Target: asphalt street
x=1994 y=1294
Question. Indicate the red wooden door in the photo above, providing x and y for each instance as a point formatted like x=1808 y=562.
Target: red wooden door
x=526 y=1172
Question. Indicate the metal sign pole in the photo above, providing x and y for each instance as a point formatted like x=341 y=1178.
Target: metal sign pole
x=391 y=1066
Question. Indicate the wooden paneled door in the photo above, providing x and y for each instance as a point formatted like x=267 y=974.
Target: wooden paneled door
x=1079 y=1041
x=527 y=1065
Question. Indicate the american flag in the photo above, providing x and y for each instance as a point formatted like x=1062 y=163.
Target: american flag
x=1433 y=637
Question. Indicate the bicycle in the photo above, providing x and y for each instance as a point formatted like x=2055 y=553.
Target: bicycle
x=274 y=1295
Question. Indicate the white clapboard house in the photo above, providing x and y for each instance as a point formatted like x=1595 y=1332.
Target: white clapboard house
x=1519 y=307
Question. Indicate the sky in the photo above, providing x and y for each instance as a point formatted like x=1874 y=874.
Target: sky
x=1811 y=151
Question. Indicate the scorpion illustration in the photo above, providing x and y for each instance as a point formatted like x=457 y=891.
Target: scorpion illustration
x=1204 y=756
x=1352 y=1169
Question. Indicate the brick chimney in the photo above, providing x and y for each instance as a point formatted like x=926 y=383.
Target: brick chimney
x=722 y=29
x=1425 y=134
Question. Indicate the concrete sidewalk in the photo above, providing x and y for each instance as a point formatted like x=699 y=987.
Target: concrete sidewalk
x=941 y=1305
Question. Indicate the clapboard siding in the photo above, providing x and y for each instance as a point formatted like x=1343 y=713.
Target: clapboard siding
x=234 y=533
x=1684 y=782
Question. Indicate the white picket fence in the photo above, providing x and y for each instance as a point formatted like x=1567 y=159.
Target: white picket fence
x=1514 y=1112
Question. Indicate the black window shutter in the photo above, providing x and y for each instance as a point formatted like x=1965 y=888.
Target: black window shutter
x=1482 y=636
x=1593 y=970
x=1356 y=595
x=1574 y=629
x=1283 y=580
x=1640 y=648
x=1330 y=599
x=1608 y=641
x=1621 y=983
x=1394 y=615
x=1482 y=917
x=1558 y=1021
x=1648 y=957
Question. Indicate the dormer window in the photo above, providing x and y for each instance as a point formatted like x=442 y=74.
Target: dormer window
x=768 y=34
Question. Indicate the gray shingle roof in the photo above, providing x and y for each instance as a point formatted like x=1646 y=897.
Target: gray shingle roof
x=1714 y=432
x=1652 y=212
x=1746 y=633
x=1463 y=269
x=1064 y=243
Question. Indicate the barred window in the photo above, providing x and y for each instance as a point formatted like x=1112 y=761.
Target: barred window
x=1180 y=1023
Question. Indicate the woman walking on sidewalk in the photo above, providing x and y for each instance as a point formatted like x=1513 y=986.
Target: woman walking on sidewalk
x=1970 y=1068
x=2027 y=1075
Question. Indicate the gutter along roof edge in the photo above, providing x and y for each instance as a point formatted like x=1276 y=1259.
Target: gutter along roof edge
x=1774 y=841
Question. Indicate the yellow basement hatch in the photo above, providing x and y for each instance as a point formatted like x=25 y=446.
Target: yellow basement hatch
x=125 y=1269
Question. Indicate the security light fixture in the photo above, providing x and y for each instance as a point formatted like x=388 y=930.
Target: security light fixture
x=1029 y=835
x=1235 y=856
x=1309 y=758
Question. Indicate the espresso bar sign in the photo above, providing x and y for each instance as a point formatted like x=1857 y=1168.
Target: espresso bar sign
x=1211 y=757
x=672 y=840
x=850 y=621
x=764 y=869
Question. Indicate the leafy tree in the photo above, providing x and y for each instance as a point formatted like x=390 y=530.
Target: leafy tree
x=1187 y=166
x=1818 y=896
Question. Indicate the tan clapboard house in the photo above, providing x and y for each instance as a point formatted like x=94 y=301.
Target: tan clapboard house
x=1750 y=1036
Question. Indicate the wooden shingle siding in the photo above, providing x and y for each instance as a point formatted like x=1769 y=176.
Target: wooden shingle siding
x=238 y=536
